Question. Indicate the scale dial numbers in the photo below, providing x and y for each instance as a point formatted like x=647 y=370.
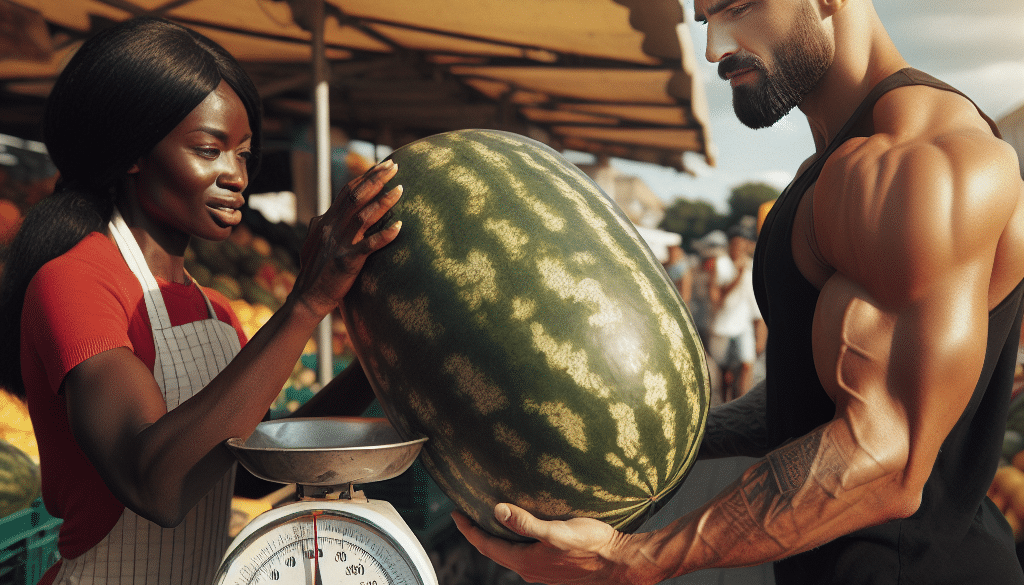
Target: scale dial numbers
x=347 y=552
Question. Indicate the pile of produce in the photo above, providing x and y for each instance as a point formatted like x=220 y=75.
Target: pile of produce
x=19 y=456
x=16 y=426
x=245 y=266
x=1007 y=489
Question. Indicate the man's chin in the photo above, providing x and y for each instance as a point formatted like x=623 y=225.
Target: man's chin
x=754 y=113
x=756 y=120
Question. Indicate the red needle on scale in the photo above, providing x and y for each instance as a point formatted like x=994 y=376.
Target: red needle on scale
x=317 y=579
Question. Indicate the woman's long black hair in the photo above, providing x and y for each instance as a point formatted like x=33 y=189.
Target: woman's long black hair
x=122 y=92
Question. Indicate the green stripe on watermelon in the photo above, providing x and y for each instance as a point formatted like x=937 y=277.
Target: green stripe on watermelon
x=522 y=324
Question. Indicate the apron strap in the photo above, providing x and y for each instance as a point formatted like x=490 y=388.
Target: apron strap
x=132 y=253
x=136 y=261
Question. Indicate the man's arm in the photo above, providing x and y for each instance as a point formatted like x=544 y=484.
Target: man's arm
x=845 y=475
x=865 y=467
x=898 y=341
x=737 y=428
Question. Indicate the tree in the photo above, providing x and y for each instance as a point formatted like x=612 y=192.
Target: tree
x=745 y=199
x=694 y=219
x=691 y=219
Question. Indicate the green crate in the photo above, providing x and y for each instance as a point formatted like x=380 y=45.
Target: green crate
x=28 y=545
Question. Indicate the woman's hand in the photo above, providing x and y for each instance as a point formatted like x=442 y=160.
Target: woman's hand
x=581 y=550
x=336 y=246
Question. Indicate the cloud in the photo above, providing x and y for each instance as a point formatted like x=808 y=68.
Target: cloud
x=934 y=34
x=955 y=30
x=979 y=51
x=997 y=88
x=777 y=179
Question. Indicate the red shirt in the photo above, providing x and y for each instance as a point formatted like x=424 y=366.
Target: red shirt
x=77 y=306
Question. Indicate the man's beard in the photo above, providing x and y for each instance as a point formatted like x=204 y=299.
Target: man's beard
x=800 y=61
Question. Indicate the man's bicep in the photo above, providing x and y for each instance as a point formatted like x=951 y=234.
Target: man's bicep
x=900 y=376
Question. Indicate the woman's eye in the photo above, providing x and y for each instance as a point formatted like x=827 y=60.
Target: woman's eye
x=208 y=152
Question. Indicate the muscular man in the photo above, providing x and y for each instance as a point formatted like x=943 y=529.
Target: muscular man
x=890 y=276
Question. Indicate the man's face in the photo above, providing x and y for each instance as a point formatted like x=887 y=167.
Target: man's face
x=767 y=87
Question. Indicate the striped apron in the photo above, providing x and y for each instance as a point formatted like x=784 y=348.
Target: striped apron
x=136 y=550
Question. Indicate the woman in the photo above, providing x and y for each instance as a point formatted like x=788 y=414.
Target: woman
x=133 y=374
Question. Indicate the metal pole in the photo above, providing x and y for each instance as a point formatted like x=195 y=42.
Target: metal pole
x=322 y=140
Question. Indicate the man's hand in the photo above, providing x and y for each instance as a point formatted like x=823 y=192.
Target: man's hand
x=577 y=551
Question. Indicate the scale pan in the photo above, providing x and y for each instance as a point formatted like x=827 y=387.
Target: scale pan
x=327 y=451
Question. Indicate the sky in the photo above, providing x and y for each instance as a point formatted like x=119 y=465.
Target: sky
x=978 y=47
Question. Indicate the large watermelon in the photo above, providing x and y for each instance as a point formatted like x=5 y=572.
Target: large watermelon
x=520 y=322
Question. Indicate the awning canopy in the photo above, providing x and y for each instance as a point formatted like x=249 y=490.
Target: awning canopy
x=608 y=77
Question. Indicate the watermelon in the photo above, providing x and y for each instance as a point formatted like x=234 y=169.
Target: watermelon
x=520 y=322
x=19 y=479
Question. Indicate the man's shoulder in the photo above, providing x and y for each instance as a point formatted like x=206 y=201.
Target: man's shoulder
x=927 y=144
x=915 y=117
x=930 y=187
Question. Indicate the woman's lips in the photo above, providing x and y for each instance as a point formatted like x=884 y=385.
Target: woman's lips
x=228 y=215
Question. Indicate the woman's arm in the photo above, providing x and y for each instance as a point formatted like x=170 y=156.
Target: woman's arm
x=160 y=463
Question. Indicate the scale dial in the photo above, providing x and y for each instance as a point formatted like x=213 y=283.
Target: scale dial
x=351 y=549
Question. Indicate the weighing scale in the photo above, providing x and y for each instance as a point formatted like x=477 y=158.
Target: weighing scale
x=331 y=534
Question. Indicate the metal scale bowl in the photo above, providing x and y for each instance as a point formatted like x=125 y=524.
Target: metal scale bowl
x=357 y=541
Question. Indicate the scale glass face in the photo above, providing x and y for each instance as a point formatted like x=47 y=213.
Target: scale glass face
x=333 y=534
x=348 y=551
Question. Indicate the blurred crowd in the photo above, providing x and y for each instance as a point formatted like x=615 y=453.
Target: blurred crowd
x=714 y=280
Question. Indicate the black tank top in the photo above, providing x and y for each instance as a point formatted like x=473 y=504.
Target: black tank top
x=958 y=535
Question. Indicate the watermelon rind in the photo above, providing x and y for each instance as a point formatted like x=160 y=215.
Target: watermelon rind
x=521 y=323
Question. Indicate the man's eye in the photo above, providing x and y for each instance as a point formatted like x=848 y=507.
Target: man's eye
x=739 y=10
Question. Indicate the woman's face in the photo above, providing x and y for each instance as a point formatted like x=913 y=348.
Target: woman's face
x=191 y=183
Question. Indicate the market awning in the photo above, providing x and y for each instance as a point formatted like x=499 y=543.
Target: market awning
x=609 y=77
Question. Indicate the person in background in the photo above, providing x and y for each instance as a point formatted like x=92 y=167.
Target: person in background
x=134 y=375
x=732 y=335
x=889 y=275
x=712 y=257
x=712 y=249
x=679 y=272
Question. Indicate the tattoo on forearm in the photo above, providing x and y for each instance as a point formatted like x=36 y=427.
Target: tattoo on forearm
x=791 y=464
x=762 y=502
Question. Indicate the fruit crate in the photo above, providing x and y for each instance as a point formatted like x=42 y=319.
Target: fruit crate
x=28 y=544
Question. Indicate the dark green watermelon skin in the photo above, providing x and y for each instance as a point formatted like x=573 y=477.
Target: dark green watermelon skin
x=520 y=322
